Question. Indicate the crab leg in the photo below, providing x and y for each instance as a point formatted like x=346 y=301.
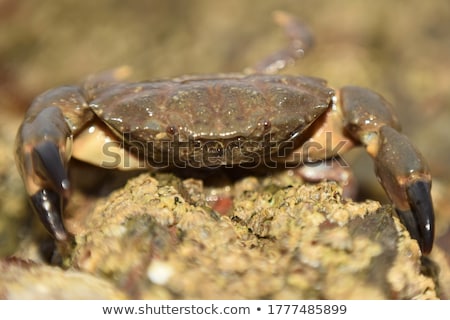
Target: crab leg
x=43 y=148
x=400 y=168
x=300 y=41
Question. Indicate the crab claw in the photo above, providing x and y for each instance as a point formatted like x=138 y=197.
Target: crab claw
x=48 y=206
x=400 y=168
x=406 y=179
x=420 y=219
x=43 y=148
x=47 y=163
x=48 y=202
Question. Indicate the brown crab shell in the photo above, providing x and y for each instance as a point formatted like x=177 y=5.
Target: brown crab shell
x=233 y=118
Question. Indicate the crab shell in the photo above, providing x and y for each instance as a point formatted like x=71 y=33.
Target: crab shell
x=185 y=123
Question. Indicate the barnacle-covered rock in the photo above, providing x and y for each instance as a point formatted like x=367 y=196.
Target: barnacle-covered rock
x=282 y=240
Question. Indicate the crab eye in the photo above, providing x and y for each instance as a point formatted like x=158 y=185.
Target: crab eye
x=267 y=125
x=172 y=130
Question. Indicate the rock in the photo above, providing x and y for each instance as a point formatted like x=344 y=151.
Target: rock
x=25 y=279
x=282 y=240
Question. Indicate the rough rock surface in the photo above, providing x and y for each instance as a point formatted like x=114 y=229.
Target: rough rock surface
x=282 y=240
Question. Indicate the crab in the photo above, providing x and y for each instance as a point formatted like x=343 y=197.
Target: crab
x=255 y=118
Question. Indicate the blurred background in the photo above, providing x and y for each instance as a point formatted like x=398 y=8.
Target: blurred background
x=400 y=49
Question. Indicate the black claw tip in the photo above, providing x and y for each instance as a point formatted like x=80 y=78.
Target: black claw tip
x=420 y=220
x=47 y=205
x=419 y=196
x=48 y=164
